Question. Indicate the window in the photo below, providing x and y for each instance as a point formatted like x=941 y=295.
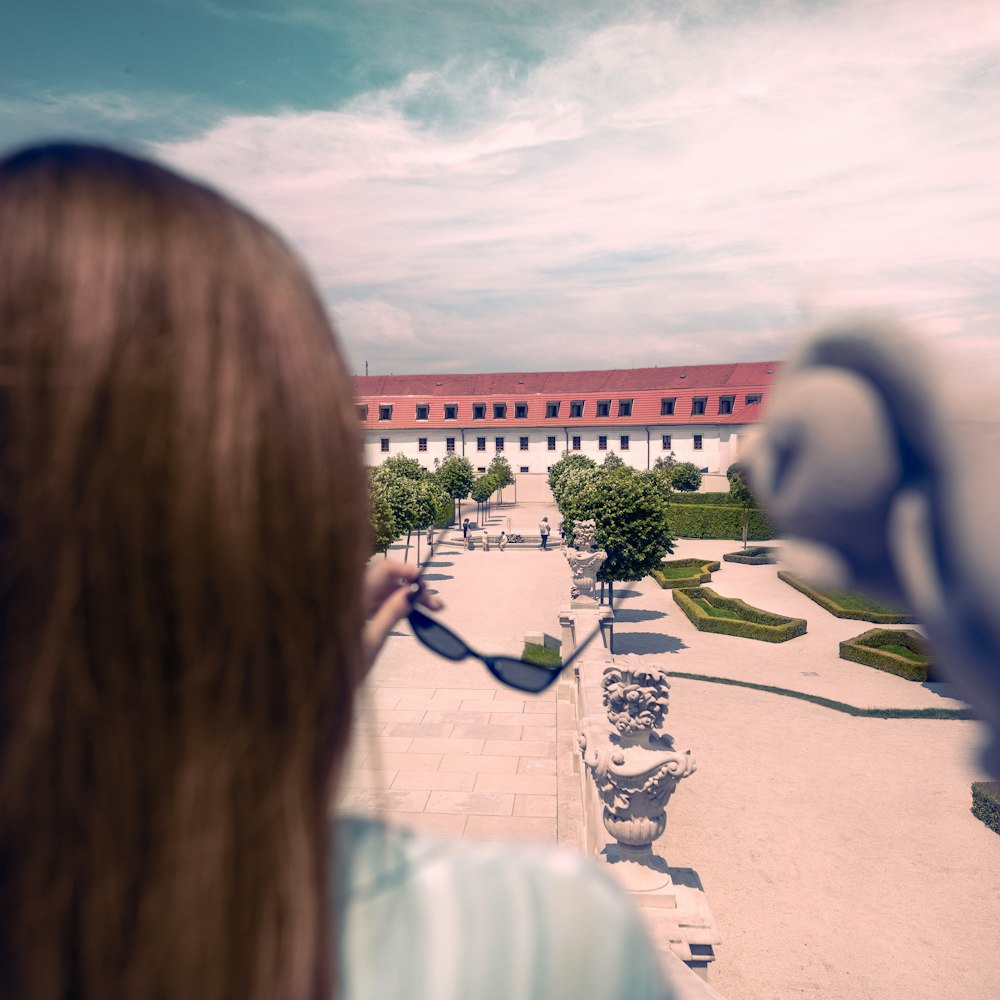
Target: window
x=698 y=406
x=576 y=444
x=624 y=442
x=422 y=444
x=524 y=444
x=551 y=410
x=499 y=444
x=624 y=407
x=423 y=411
x=726 y=404
x=449 y=444
x=480 y=468
x=666 y=442
x=604 y=407
x=480 y=444
x=576 y=408
x=552 y=444
x=499 y=411
x=362 y=412
x=524 y=468
x=520 y=411
x=385 y=444
x=478 y=411
x=451 y=411
x=753 y=397
x=667 y=406
x=697 y=442
x=602 y=443
x=385 y=411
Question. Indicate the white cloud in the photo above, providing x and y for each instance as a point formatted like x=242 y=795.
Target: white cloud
x=653 y=190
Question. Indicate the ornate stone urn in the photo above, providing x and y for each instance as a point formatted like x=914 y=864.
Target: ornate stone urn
x=635 y=768
x=585 y=564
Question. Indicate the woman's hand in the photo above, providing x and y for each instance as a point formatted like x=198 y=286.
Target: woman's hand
x=389 y=595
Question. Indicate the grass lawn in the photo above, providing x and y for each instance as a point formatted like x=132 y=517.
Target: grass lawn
x=712 y=610
x=677 y=572
x=851 y=601
x=544 y=656
x=895 y=647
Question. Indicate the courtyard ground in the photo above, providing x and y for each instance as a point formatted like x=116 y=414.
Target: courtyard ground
x=838 y=854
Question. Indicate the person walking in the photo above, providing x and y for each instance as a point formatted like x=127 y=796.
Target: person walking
x=465 y=528
x=486 y=540
x=543 y=530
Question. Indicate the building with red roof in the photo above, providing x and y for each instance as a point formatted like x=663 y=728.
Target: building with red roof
x=699 y=413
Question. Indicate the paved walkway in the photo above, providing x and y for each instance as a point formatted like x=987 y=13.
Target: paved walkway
x=838 y=854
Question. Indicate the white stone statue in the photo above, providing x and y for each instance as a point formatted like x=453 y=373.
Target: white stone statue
x=585 y=564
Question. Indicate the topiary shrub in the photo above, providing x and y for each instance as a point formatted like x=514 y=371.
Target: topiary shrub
x=672 y=574
x=756 y=555
x=685 y=476
x=986 y=803
x=898 y=651
x=710 y=612
x=847 y=604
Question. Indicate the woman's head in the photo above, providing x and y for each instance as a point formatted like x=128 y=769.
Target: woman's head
x=182 y=533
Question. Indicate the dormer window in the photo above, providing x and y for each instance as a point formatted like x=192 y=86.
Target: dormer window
x=552 y=410
x=698 y=406
x=451 y=411
x=624 y=407
x=362 y=409
x=667 y=406
x=478 y=411
x=499 y=411
x=726 y=404
x=576 y=408
x=423 y=411
x=604 y=407
x=385 y=411
x=520 y=411
x=753 y=397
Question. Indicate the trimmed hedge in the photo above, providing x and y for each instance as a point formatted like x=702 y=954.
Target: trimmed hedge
x=753 y=623
x=704 y=570
x=703 y=499
x=754 y=555
x=829 y=601
x=986 y=803
x=688 y=520
x=866 y=649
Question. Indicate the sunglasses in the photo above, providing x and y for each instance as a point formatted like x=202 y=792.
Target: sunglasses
x=510 y=670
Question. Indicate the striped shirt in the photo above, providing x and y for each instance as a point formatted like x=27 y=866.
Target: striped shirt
x=430 y=919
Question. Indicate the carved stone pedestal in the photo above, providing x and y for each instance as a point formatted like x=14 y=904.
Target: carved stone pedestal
x=577 y=623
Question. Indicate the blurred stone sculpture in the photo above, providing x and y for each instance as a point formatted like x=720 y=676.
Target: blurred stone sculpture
x=585 y=564
x=867 y=456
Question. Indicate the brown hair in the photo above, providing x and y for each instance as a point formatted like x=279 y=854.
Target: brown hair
x=182 y=531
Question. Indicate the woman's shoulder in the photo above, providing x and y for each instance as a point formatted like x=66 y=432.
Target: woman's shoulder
x=511 y=920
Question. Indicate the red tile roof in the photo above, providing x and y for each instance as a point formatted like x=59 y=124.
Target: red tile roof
x=645 y=387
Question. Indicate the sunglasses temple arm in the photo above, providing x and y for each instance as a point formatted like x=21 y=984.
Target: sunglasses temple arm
x=583 y=645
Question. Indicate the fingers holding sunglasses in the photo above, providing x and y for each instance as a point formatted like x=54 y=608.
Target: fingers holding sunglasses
x=391 y=590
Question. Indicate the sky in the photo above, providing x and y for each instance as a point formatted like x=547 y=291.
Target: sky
x=502 y=185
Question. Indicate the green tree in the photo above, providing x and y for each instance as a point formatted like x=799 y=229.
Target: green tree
x=456 y=476
x=500 y=468
x=431 y=499
x=482 y=489
x=569 y=460
x=684 y=476
x=630 y=510
x=612 y=461
x=402 y=494
x=383 y=524
x=405 y=468
x=742 y=495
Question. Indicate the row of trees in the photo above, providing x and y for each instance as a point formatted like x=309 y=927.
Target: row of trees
x=406 y=498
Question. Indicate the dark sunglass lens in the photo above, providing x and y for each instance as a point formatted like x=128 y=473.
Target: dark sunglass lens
x=524 y=676
x=437 y=637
